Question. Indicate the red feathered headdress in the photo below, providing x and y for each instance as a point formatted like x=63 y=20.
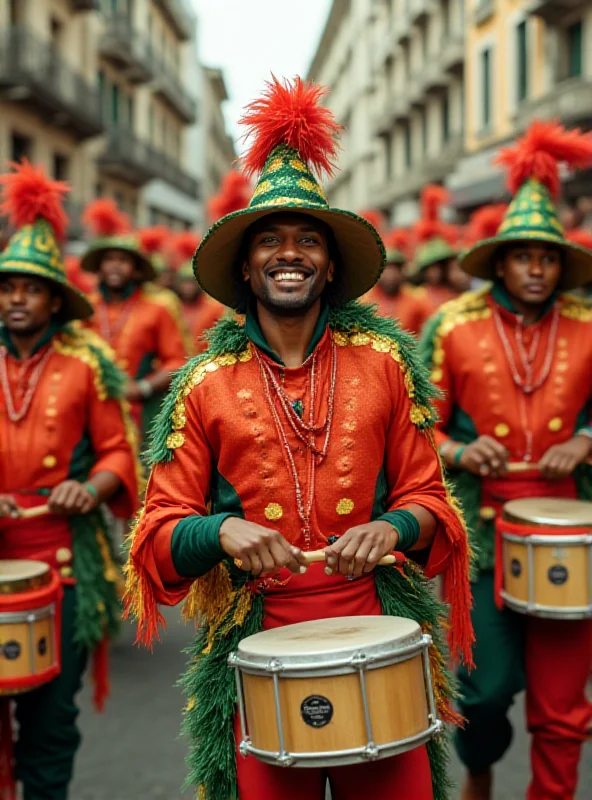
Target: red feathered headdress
x=234 y=195
x=485 y=223
x=580 y=236
x=539 y=152
x=103 y=218
x=398 y=239
x=28 y=195
x=154 y=240
x=290 y=113
x=374 y=217
x=433 y=197
x=182 y=246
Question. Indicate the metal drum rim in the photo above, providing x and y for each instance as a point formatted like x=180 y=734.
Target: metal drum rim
x=509 y=514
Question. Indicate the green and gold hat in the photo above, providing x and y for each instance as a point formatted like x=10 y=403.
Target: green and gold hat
x=111 y=230
x=533 y=179
x=292 y=135
x=429 y=232
x=34 y=204
x=182 y=248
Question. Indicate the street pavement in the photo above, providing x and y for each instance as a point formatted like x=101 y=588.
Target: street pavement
x=134 y=750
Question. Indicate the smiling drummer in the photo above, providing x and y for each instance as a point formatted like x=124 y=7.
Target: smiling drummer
x=65 y=441
x=308 y=417
x=515 y=364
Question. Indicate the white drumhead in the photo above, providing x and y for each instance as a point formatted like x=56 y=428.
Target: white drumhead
x=561 y=512
x=341 y=634
x=21 y=570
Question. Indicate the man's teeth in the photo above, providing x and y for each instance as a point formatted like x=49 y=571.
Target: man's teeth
x=289 y=276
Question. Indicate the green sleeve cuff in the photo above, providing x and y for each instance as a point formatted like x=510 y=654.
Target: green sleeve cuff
x=406 y=525
x=195 y=545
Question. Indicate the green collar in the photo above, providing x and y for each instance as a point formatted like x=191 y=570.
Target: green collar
x=5 y=339
x=130 y=288
x=255 y=334
x=500 y=295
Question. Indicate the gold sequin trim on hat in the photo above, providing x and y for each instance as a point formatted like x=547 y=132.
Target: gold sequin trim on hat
x=263 y=188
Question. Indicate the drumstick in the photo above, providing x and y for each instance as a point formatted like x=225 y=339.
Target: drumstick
x=315 y=556
x=30 y=513
x=521 y=466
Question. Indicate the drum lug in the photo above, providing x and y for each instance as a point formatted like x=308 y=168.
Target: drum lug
x=371 y=752
x=275 y=665
x=244 y=747
x=359 y=660
x=285 y=760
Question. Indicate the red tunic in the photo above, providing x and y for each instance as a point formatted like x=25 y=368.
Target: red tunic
x=72 y=430
x=410 y=306
x=199 y=316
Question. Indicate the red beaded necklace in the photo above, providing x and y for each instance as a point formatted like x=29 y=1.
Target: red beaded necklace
x=305 y=431
x=41 y=358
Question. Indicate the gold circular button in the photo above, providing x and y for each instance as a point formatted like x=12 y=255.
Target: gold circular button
x=436 y=375
x=63 y=554
x=555 y=424
x=501 y=430
x=487 y=512
x=49 y=461
x=438 y=356
x=66 y=572
x=51 y=412
x=56 y=376
x=345 y=506
x=274 y=511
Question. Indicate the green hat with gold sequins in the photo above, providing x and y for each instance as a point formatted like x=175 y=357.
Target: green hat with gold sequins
x=34 y=204
x=534 y=181
x=292 y=135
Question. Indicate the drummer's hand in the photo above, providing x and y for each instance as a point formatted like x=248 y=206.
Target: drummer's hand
x=71 y=497
x=484 y=457
x=8 y=505
x=360 y=549
x=259 y=550
x=560 y=460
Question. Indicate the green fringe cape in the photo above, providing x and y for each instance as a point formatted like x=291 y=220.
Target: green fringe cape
x=209 y=682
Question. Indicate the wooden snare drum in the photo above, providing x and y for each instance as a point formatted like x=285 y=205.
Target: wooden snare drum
x=30 y=616
x=547 y=557
x=335 y=691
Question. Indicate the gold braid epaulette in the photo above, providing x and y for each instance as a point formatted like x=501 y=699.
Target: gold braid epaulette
x=574 y=307
x=77 y=344
x=419 y=414
x=194 y=378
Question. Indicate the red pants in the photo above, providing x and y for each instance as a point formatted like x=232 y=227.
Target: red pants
x=405 y=777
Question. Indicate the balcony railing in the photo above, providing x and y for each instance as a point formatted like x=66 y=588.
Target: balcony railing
x=168 y=86
x=556 y=10
x=127 y=49
x=177 y=14
x=86 y=5
x=453 y=52
x=136 y=162
x=570 y=101
x=32 y=73
x=419 y=9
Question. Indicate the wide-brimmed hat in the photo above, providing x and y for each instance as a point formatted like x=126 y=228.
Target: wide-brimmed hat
x=397 y=243
x=293 y=134
x=181 y=250
x=34 y=204
x=111 y=230
x=534 y=181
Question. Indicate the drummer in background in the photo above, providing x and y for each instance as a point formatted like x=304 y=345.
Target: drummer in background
x=514 y=362
x=68 y=442
x=142 y=322
x=305 y=420
x=396 y=298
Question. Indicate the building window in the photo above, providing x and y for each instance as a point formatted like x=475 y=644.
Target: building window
x=486 y=88
x=130 y=112
x=521 y=62
x=574 y=50
x=424 y=130
x=115 y=104
x=151 y=124
x=445 y=119
x=21 y=147
x=408 y=145
x=388 y=156
x=61 y=167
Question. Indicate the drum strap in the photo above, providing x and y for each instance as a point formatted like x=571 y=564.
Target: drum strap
x=7 y=782
x=520 y=530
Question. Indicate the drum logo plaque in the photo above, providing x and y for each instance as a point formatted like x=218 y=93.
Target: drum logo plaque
x=516 y=567
x=11 y=650
x=558 y=574
x=316 y=711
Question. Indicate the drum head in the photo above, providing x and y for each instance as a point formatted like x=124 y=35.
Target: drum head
x=553 y=511
x=20 y=575
x=325 y=637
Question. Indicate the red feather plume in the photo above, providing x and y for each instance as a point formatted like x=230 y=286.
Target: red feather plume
x=398 y=239
x=433 y=197
x=183 y=246
x=234 y=195
x=426 y=229
x=290 y=113
x=103 y=218
x=28 y=194
x=153 y=240
x=485 y=222
x=374 y=217
x=580 y=236
x=540 y=151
